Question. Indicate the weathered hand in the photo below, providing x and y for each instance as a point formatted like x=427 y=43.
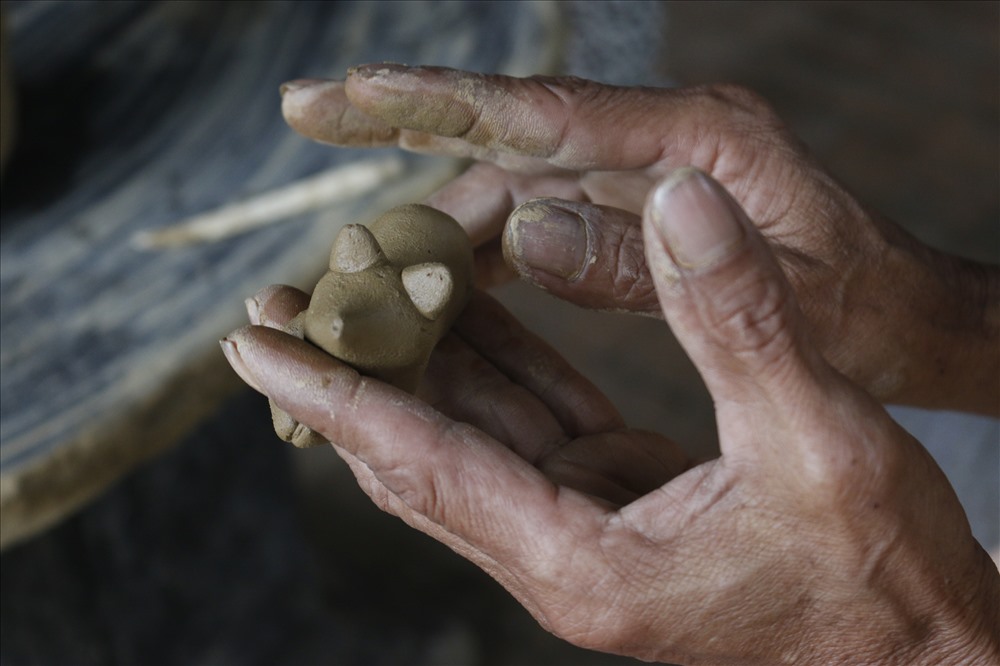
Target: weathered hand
x=823 y=534
x=909 y=324
x=535 y=403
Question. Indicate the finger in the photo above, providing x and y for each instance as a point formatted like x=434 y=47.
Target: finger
x=451 y=474
x=464 y=386
x=481 y=198
x=590 y=255
x=485 y=194
x=579 y=406
x=786 y=417
x=491 y=270
x=276 y=305
x=730 y=306
x=570 y=123
x=319 y=109
x=618 y=466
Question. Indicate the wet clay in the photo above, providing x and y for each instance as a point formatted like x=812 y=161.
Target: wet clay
x=393 y=290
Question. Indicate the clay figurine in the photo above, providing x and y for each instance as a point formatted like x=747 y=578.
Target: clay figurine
x=393 y=290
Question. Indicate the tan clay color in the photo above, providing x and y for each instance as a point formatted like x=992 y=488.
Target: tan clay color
x=391 y=294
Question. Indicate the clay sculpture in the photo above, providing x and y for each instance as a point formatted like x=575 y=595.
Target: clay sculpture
x=393 y=290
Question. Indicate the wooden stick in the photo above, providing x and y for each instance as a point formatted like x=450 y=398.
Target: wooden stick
x=325 y=188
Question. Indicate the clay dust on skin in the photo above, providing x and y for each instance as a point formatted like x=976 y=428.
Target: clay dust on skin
x=454 y=104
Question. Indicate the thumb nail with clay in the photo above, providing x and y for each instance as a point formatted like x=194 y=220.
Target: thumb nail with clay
x=299 y=84
x=696 y=220
x=544 y=236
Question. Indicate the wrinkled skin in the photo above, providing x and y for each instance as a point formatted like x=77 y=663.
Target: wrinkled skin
x=823 y=534
x=908 y=324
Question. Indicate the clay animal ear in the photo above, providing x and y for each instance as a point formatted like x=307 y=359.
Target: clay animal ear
x=429 y=286
x=354 y=250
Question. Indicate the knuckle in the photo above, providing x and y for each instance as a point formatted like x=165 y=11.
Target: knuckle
x=572 y=93
x=630 y=282
x=743 y=111
x=751 y=319
x=415 y=486
x=423 y=487
x=567 y=86
x=577 y=98
x=504 y=121
x=738 y=99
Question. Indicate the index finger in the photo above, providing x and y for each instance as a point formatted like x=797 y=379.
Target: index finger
x=572 y=123
x=320 y=110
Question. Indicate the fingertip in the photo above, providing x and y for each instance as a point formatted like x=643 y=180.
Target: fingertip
x=276 y=305
x=297 y=375
x=658 y=198
x=303 y=102
x=319 y=109
x=588 y=254
x=542 y=235
x=726 y=298
x=299 y=84
x=231 y=349
x=695 y=220
x=253 y=310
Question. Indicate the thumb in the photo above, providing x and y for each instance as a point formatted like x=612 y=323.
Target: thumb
x=726 y=298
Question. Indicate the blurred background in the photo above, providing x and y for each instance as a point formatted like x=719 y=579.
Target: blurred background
x=149 y=514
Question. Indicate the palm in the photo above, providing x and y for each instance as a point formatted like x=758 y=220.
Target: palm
x=501 y=379
x=496 y=376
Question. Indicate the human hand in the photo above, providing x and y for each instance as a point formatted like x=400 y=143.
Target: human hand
x=823 y=534
x=907 y=323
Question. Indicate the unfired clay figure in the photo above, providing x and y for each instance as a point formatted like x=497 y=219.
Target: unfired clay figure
x=391 y=293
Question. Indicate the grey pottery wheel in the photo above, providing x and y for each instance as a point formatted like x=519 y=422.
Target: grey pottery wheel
x=134 y=116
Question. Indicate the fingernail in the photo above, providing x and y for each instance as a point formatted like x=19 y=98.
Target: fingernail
x=268 y=300
x=230 y=347
x=548 y=238
x=372 y=70
x=299 y=84
x=253 y=310
x=697 y=222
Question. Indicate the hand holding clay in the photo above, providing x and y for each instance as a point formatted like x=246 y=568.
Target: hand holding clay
x=909 y=324
x=823 y=534
x=391 y=293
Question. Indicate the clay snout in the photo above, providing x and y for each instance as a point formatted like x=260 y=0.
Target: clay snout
x=371 y=339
